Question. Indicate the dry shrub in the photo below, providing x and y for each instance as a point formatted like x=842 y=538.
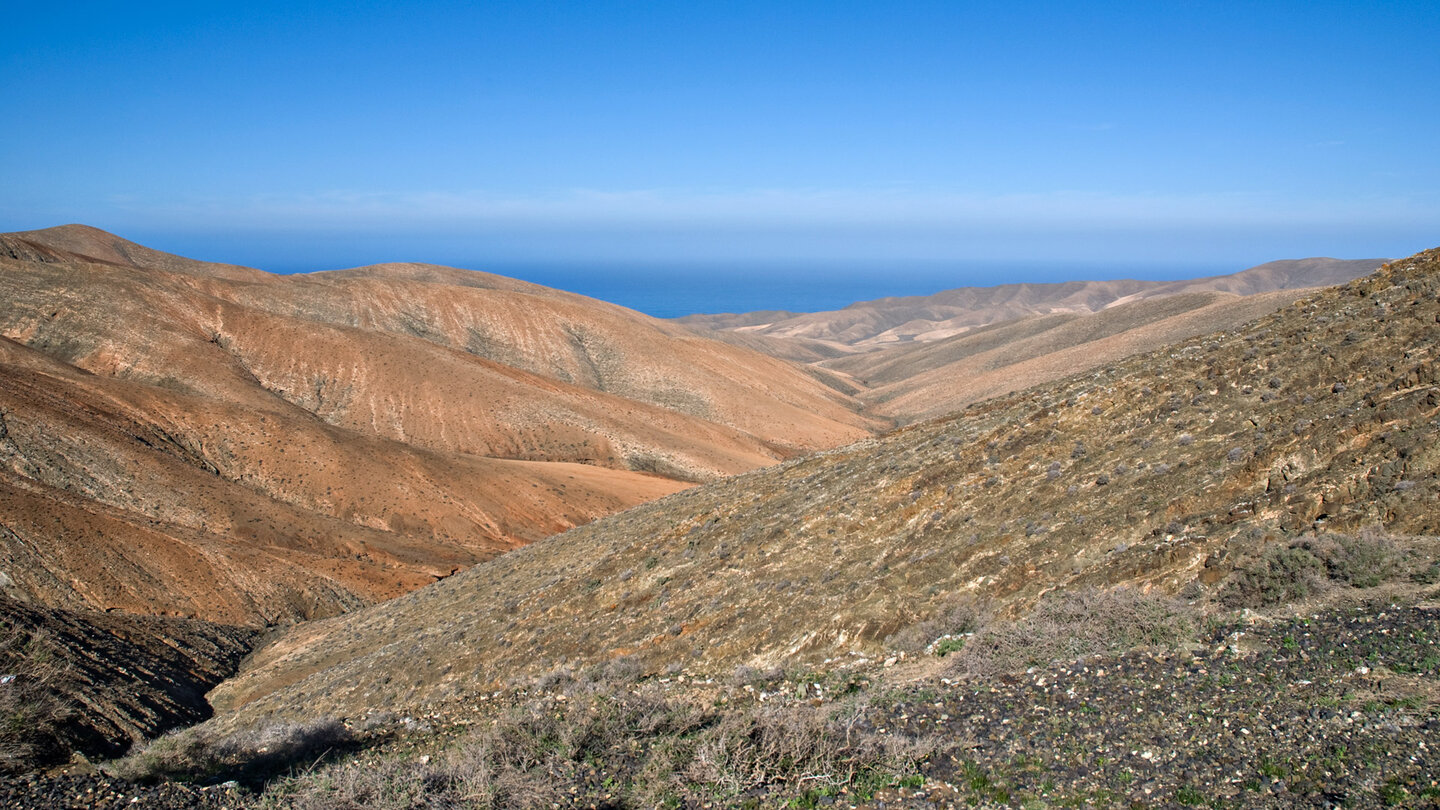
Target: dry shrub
x=1281 y=574
x=1363 y=561
x=794 y=746
x=953 y=618
x=1067 y=626
x=200 y=753
x=652 y=752
x=33 y=712
x=1289 y=573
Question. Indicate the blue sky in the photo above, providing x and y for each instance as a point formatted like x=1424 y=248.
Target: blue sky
x=296 y=134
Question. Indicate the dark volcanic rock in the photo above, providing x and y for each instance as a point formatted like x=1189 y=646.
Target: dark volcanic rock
x=115 y=679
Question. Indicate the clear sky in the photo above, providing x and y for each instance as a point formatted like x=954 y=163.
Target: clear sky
x=334 y=133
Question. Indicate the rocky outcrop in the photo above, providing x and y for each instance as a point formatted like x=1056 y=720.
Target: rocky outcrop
x=111 y=679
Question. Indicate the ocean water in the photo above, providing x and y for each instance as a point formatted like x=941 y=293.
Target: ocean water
x=673 y=290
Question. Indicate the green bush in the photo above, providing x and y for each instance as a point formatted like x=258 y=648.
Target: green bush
x=1282 y=574
x=949 y=645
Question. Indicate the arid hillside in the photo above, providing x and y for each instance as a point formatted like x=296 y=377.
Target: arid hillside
x=1168 y=471
x=917 y=358
x=916 y=381
x=872 y=324
x=192 y=439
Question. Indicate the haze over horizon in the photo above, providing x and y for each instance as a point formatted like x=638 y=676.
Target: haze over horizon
x=320 y=135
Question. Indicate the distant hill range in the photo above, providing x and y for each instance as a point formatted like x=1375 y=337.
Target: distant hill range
x=204 y=440
x=919 y=357
x=924 y=318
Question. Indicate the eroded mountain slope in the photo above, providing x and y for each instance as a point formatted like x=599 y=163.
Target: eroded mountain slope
x=925 y=380
x=184 y=438
x=872 y=324
x=1166 y=470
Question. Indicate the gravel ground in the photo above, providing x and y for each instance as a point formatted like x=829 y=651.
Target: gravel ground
x=1337 y=710
x=99 y=792
x=1334 y=711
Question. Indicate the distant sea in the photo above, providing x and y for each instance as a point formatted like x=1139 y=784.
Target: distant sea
x=672 y=290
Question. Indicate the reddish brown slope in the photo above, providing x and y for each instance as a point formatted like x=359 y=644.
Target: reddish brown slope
x=269 y=448
x=120 y=495
x=581 y=341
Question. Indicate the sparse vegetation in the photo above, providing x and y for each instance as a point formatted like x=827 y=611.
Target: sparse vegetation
x=33 y=715
x=623 y=748
x=1306 y=566
x=253 y=755
x=1075 y=624
x=1283 y=573
x=953 y=619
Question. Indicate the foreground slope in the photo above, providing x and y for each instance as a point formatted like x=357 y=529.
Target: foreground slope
x=1164 y=471
x=184 y=438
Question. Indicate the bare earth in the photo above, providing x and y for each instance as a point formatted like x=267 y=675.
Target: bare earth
x=189 y=439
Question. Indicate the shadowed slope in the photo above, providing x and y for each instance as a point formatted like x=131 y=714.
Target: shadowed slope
x=1162 y=471
x=96 y=682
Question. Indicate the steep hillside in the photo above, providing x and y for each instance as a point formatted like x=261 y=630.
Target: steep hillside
x=191 y=439
x=1166 y=471
x=871 y=324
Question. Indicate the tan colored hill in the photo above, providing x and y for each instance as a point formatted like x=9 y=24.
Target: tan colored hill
x=191 y=439
x=1166 y=471
x=69 y=243
x=917 y=381
x=918 y=358
x=870 y=324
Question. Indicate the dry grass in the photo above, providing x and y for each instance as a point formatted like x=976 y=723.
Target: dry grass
x=33 y=714
x=1075 y=624
x=620 y=748
x=252 y=755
